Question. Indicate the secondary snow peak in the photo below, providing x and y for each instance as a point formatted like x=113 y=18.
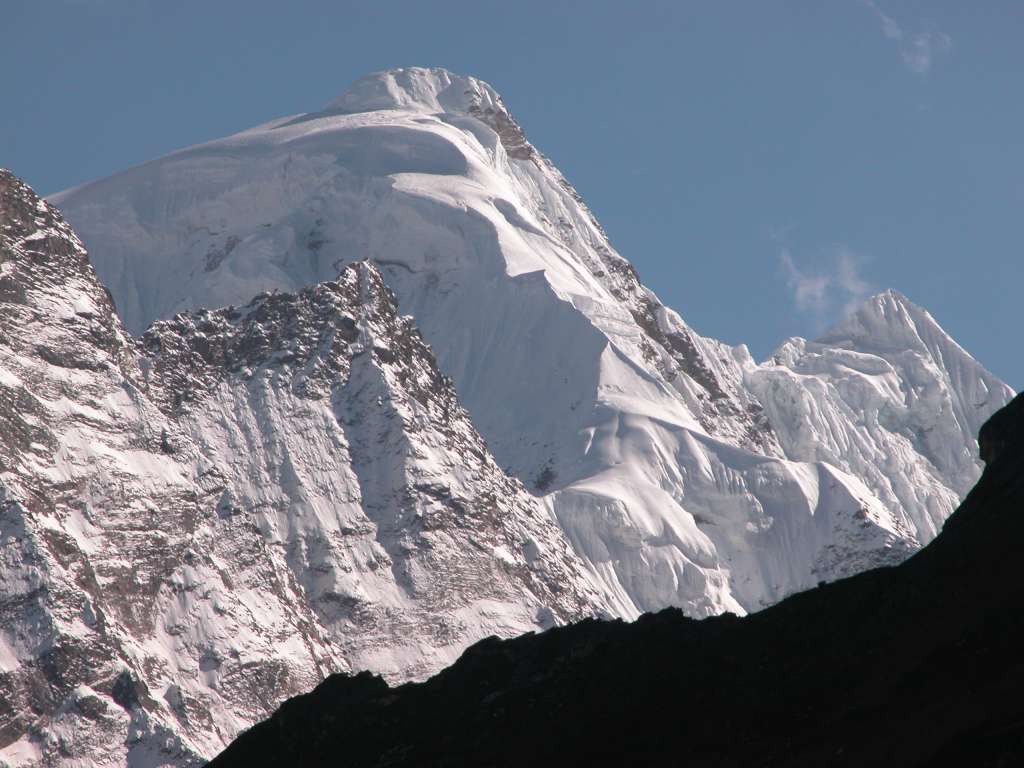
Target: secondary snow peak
x=885 y=316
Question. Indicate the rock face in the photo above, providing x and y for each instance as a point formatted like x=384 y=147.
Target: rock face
x=913 y=665
x=324 y=416
x=198 y=524
x=682 y=472
x=87 y=543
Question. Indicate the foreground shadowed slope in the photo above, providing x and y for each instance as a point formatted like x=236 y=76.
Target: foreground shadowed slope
x=914 y=665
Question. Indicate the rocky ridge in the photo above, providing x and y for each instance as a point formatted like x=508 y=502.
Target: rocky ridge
x=173 y=565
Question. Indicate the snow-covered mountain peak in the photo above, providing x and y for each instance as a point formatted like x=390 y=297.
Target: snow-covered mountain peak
x=682 y=472
x=892 y=327
x=886 y=320
x=884 y=323
x=417 y=89
x=883 y=389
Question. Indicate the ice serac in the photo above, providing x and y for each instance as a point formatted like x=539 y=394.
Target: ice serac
x=200 y=523
x=662 y=454
x=889 y=397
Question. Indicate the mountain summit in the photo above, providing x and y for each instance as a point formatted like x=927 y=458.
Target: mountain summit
x=417 y=89
x=683 y=472
x=876 y=394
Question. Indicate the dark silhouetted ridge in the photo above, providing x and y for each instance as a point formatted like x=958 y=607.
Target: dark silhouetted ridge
x=918 y=664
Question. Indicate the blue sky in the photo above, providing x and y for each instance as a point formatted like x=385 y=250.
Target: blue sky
x=763 y=164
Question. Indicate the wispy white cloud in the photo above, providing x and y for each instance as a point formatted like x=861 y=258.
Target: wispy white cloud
x=917 y=49
x=809 y=291
x=922 y=48
x=849 y=282
x=836 y=287
x=890 y=28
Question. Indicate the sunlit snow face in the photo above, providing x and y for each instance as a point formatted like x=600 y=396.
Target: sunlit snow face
x=676 y=465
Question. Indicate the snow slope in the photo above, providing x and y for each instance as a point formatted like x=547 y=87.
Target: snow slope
x=197 y=525
x=682 y=472
x=888 y=396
